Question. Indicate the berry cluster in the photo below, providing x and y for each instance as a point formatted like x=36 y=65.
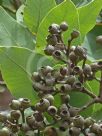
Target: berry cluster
x=45 y=117
x=64 y=117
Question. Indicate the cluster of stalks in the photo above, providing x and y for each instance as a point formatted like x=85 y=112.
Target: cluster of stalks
x=45 y=118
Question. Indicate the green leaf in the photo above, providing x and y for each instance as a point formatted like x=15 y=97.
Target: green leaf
x=77 y=18
x=14 y=34
x=94 y=50
x=17 y=64
x=98 y=115
x=87 y=16
x=35 y=11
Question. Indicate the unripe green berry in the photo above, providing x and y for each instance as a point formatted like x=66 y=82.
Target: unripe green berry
x=64 y=126
x=51 y=39
x=43 y=71
x=65 y=98
x=87 y=69
x=49 y=50
x=25 y=128
x=80 y=51
x=71 y=79
x=77 y=70
x=15 y=104
x=74 y=131
x=63 y=71
x=63 y=107
x=54 y=29
x=49 y=79
x=60 y=46
x=52 y=110
x=3 y=117
x=73 y=57
x=5 y=132
x=78 y=121
x=63 y=26
x=36 y=77
x=15 y=128
x=72 y=48
x=75 y=34
x=94 y=128
x=38 y=116
x=94 y=67
x=42 y=105
x=66 y=88
x=91 y=134
x=39 y=125
x=99 y=63
x=99 y=39
x=50 y=131
x=10 y=119
x=88 y=122
x=73 y=111
x=15 y=114
x=57 y=54
x=25 y=103
x=64 y=112
x=99 y=132
x=30 y=121
x=77 y=85
x=50 y=98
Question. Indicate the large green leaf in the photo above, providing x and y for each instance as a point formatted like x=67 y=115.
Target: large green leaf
x=17 y=64
x=87 y=16
x=78 y=18
x=94 y=50
x=12 y=33
x=35 y=11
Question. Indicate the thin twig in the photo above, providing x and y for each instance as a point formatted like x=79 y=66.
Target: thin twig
x=84 y=61
x=100 y=90
x=86 y=91
x=69 y=44
x=88 y=105
x=23 y=117
x=38 y=134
